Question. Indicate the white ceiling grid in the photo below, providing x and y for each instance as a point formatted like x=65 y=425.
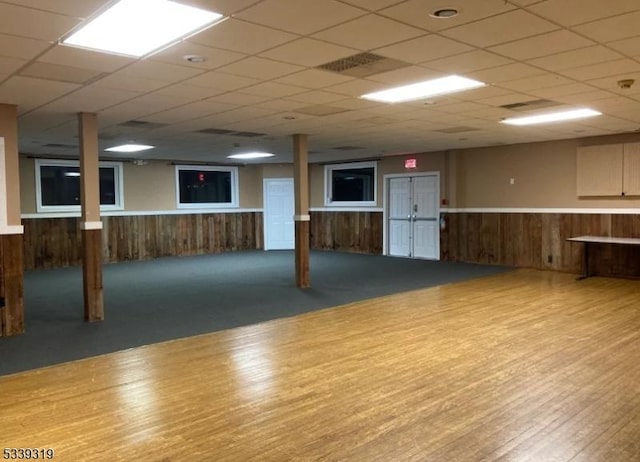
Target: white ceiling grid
x=260 y=75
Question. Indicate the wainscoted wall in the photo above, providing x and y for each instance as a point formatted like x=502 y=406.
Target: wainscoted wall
x=529 y=239
x=55 y=242
x=358 y=232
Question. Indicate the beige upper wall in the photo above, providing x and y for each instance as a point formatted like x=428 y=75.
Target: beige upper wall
x=544 y=177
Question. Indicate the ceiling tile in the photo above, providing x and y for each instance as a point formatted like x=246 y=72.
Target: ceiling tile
x=317 y=97
x=416 y=12
x=159 y=71
x=309 y=52
x=535 y=83
x=77 y=57
x=406 y=75
x=597 y=71
x=226 y=7
x=511 y=98
x=31 y=23
x=189 y=92
x=506 y=27
x=214 y=57
x=118 y=81
x=364 y=33
x=90 y=99
x=144 y=106
x=561 y=90
x=260 y=68
x=29 y=93
x=421 y=49
x=586 y=98
x=10 y=65
x=356 y=88
x=238 y=99
x=314 y=78
x=20 y=47
x=273 y=90
x=466 y=62
x=300 y=16
x=188 y=112
x=504 y=73
x=576 y=58
x=241 y=36
x=372 y=5
x=284 y=105
x=630 y=46
x=610 y=83
x=74 y=8
x=615 y=28
x=572 y=12
x=482 y=93
x=542 y=45
x=222 y=81
x=59 y=73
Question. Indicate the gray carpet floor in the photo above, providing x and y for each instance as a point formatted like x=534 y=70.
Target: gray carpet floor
x=153 y=301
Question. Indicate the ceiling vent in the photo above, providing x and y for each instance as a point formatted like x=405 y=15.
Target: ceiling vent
x=221 y=131
x=60 y=146
x=531 y=105
x=459 y=129
x=247 y=134
x=363 y=65
x=214 y=131
x=141 y=124
x=347 y=148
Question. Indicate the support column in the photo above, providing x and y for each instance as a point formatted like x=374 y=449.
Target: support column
x=90 y=223
x=11 y=229
x=301 y=218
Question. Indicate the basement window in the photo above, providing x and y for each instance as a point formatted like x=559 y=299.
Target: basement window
x=206 y=187
x=350 y=184
x=58 y=185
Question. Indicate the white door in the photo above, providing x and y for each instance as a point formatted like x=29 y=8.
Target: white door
x=278 y=214
x=400 y=217
x=413 y=227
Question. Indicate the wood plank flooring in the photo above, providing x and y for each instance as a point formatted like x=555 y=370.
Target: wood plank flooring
x=525 y=366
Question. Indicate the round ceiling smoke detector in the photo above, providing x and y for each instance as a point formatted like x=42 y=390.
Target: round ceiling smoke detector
x=194 y=59
x=444 y=13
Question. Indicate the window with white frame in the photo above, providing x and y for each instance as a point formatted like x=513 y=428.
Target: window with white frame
x=58 y=185
x=350 y=184
x=199 y=186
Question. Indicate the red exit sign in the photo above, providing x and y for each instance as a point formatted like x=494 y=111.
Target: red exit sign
x=410 y=163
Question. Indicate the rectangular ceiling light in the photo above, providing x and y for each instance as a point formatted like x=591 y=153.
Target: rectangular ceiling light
x=138 y=27
x=426 y=89
x=552 y=117
x=130 y=148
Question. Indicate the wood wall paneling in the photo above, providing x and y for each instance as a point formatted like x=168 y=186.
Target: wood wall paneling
x=11 y=285
x=357 y=232
x=529 y=239
x=56 y=242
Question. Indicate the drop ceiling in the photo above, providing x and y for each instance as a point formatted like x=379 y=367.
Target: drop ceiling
x=261 y=76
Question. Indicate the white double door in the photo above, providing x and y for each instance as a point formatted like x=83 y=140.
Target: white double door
x=279 y=230
x=412 y=216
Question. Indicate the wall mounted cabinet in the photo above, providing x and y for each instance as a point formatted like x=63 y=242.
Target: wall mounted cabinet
x=608 y=170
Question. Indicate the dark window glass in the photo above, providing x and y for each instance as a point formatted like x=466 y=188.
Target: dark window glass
x=353 y=184
x=204 y=187
x=60 y=185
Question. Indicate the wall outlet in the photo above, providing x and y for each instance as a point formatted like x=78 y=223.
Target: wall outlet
x=512 y=181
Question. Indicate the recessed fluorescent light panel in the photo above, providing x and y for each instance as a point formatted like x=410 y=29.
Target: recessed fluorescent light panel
x=250 y=155
x=552 y=117
x=138 y=27
x=130 y=148
x=426 y=89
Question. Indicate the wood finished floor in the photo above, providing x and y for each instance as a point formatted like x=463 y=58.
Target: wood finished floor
x=525 y=366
